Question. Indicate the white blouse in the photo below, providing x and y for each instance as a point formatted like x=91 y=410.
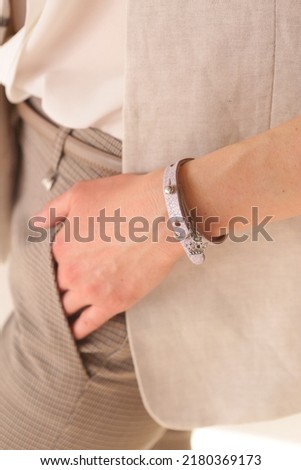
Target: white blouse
x=70 y=53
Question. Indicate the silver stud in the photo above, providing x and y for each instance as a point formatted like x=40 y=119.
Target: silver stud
x=49 y=179
x=169 y=189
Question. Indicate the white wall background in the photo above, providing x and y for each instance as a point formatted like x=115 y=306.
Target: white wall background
x=276 y=438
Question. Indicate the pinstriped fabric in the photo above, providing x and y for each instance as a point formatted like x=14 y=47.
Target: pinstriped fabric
x=99 y=140
x=55 y=393
x=92 y=136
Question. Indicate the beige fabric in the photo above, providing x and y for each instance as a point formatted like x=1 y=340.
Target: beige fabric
x=56 y=394
x=221 y=343
x=223 y=338
x=72 y=146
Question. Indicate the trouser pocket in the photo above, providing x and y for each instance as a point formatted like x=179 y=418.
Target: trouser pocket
x=36 y=257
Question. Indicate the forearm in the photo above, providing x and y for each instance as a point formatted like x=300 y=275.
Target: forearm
x=263 y=171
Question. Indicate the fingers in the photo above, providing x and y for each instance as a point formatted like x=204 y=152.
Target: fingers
x=54 y=211
x=72 y=302
x=90 y=320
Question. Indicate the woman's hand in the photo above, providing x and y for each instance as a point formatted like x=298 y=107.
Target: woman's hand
x=107 y=277
x=122 y=258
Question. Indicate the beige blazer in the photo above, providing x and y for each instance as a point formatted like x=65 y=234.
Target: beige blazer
x=219 y=343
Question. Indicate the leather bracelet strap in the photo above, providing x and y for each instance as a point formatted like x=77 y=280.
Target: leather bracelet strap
x=193 y=242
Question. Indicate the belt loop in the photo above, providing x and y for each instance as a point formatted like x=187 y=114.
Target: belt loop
x=58 y=150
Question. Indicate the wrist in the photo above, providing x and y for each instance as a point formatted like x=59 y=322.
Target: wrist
x=200 y=198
